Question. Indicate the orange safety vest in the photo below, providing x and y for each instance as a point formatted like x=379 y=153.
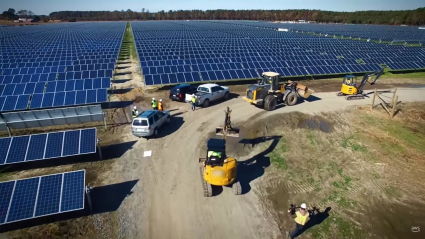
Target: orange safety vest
x=160 y=106
x=300 y=219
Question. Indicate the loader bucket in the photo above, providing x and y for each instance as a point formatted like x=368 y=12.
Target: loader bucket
x=230 y=132
x=305 y=93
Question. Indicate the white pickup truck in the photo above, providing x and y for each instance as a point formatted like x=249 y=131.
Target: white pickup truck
x=207 y=93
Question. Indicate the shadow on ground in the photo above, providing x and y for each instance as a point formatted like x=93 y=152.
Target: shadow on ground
x=104 y=199
x=254 y=167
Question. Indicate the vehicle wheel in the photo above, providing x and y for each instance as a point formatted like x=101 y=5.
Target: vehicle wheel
x=237 y=188
x=226 y=96
x=168 y=119
x=206 y=103
x=155 y=132
x=270 y=103
x=291 y=99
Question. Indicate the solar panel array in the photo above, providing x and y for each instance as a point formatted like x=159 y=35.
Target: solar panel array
x=41 y=196
x=410 y=34
x=49 y=145
x=188 y=51
x=54 y=65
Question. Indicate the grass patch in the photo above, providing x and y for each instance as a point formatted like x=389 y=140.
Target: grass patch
x=128 y=47
x=392 y=192
x=335 y=227
x=311 y=137
x=409 y=137
x=420 y=75
x=277 y=156
x=348 y=143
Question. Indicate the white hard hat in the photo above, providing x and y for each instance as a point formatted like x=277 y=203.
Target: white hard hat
x=160 y=100
x=135 y=107
x=193 y=94
x=153 y=98
x=303 y=206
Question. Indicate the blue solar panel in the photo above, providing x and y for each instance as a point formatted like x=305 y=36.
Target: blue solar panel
x=69 y=85
x=22 y=102
x=91 y=96
x=19 y=89
x=59 y=99
x=106 y=83
x=6 y=190
x=36 y=147
x=71 y=143
x=48 y=100
x=60 y=86
x=88 y=141
x=73 y=191
x=70 y=97
x=41 y=196
x=54 y=145
x=4 y=148
x=81 y=97
x=23 y=200
x=88 y=84
x=49 y=195
x=10 y=103
x=79 y=85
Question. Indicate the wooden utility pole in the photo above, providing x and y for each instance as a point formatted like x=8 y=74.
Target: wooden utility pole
x=373 y=100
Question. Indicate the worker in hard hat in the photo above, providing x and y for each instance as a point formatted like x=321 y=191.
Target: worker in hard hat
x=193 y=101
x=301 y=217
x=160 y=105
x=135 y=112
x=154 y=104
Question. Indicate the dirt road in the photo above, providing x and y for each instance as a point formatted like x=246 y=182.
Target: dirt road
x=167 y=201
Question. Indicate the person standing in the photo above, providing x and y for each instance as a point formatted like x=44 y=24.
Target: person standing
x=160 y=105
x=154 y=104
x=193 y=101
x=135 y=112
x=301 y=216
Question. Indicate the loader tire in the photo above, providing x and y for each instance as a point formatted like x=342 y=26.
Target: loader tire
x=291 y=99
x=270 y=103
x=237 y=188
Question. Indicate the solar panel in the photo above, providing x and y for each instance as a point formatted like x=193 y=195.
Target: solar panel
x=44 y=146
x=41 y=196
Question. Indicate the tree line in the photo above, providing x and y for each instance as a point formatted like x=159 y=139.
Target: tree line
x=11 y=14
x=408 y=17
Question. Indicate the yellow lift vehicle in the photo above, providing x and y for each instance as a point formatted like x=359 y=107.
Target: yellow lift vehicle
x=217 y=168
x=350 y=89
x=269 y=92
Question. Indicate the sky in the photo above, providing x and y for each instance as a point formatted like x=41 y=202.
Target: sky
x=44 y=7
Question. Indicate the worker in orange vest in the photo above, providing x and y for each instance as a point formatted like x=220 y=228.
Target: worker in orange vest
x=160 y=105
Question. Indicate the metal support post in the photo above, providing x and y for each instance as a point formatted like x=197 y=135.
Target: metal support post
x=99 y=148
x=104 y=120
x=373 y=100
x=88 y=189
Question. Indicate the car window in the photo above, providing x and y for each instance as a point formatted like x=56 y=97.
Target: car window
x=142 y=122
x=204 y=89
x=193 y=88
x=155 y=116
x=215 y=89
x=161 y=114
x=151 y=121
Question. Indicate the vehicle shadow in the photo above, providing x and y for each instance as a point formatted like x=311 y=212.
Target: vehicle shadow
x=173 y=126
x=311 y=98
x=108 y=152
x=254 y=167
x=116 y=104
x=231 y=96
x=103 y=199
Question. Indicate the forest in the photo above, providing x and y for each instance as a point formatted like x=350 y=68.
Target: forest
x=407 y=17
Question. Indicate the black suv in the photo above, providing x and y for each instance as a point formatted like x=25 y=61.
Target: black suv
x=179 y=92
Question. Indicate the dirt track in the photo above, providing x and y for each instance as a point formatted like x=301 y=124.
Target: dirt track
x=167 y=201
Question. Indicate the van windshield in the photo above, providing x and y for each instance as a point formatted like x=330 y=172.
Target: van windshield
x=142 y=122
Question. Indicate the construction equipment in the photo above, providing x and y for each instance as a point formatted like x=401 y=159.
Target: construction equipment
x=217 y=168
x=350 y=89
x=269 y=92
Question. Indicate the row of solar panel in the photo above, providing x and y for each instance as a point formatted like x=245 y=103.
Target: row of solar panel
x=162 y=79
x=54 y=86
x=406 y=65
x=301 y=55
x=54 y=52
x=43 y=57
x=44 y=146
x=41 y=196
x=226 y=66
x=38 y=63
x=49 y=100
x=55 y=76
x=22 y=68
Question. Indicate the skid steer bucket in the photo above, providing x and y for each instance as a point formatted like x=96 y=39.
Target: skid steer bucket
x=230 y=132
